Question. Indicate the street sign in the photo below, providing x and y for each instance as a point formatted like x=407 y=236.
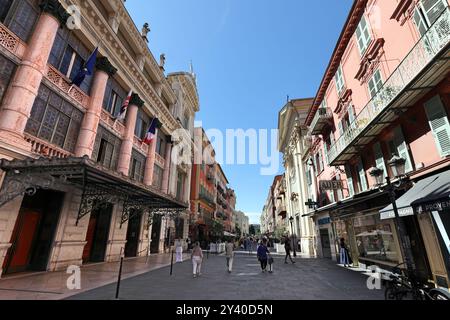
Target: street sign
x=331 y=185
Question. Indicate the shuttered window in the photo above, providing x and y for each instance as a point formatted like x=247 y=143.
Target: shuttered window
x=5 y=6
x=157 y=176
x=363 y=35
x=348 y=173
x=142 y=124
x=339 y=79
x=402 y=148
x=106 y=148
x=55 y=120
x=7 y=69
x=68 y=55
x=439 y=124
x=375 y=84
x=362 y=176
x=379 y=159
x=20 y=16
x=137 y=166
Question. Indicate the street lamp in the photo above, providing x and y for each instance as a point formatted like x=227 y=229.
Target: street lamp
x=397 y=165
x=291 y=220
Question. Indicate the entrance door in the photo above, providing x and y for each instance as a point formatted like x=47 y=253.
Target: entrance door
x=34 y=232
x=133 y=233
x=22 y=240
x=418 y=248
x=156 y=234
x=325 y=241
x=97 y=234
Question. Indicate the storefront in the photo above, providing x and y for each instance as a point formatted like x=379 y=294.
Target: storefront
x=424 y=210
x=324 y=236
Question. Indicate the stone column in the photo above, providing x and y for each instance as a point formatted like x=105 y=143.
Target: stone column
x=127 y=142
x=150 y=162
x=168 y=164
x=23 y=90
x=89 y=127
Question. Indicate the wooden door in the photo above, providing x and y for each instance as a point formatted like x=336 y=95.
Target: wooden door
x=22 y=240
x=89 y=239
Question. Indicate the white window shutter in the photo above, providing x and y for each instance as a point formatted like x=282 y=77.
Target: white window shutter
x=439 y=123
x=402 y=148
x=348 y=173
x=351 y=116
x=379 y=159
x=362 y=176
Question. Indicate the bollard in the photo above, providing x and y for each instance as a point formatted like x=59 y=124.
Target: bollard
x=171 y=264
x=120 y=276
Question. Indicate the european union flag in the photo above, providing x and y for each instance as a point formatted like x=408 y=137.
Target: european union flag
x=86 y=70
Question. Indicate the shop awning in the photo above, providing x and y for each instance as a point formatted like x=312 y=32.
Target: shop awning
x=228 y=234
x=435 y=195
x=431 y=191
x=98 y=184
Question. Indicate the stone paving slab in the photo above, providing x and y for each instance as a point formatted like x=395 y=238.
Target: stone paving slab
x=53 y=285
x=308 y=279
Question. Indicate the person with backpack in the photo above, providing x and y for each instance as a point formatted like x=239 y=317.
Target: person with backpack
x=287 y=248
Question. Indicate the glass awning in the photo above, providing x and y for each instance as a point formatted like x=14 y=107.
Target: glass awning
x=98 y=185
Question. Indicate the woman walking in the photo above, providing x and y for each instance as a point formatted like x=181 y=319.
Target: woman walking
x=197 y=258
x=262 y=256
x=344 y=257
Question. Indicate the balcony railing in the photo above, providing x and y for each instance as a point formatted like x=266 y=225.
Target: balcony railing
x=60 y=81
x=8 y=39
x=425 y=50
x=45 y=149
x=322 y=117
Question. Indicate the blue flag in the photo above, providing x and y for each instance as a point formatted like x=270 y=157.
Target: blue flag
x=86 y=70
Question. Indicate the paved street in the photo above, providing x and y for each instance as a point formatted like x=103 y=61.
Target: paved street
x=307 y=279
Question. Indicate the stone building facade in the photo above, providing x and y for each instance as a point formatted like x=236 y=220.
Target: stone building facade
x=79 y=185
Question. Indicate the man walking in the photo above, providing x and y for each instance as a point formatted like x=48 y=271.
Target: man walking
x=229 y=252
x=287 y=248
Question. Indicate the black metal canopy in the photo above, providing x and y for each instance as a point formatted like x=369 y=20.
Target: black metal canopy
x=99 y=185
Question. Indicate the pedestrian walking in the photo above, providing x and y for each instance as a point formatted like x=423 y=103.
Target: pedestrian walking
x=287 y=248
x=229 y=253
x=262 y=254
x=344 y=256
x=179 y=251
x=197 y=259
x=270 y=262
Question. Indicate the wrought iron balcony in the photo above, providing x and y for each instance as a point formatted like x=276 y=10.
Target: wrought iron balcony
x=323 y=116
x=423 y=67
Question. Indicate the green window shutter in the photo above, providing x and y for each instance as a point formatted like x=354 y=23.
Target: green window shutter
x=341 y=128
x=362 y=176
x=379 y=159
x=325 y=153
x=402 y=148
x=351 y=116
x=348 y=173
x=439 y=124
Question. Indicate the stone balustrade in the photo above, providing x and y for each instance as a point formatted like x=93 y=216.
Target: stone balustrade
x=45 y=149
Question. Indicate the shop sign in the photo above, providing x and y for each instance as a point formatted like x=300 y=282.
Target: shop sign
x=331 y=185
x=324 y=221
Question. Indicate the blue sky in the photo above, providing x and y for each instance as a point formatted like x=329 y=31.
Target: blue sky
x=248 y=56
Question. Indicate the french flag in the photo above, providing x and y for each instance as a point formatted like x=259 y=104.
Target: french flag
x=151 y=133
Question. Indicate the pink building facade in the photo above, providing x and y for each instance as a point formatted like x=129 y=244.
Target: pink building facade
x=385 y=94
x=78 y=185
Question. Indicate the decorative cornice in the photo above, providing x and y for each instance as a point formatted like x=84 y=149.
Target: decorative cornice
x=404 y=11
x=345 y=99
x=370 y=60
x=136 y=101
x=103 y=64
x=55 y=8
